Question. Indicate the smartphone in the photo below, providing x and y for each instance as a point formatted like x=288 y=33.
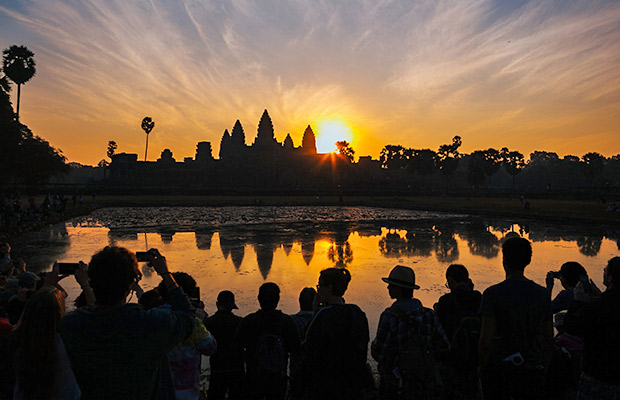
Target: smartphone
x=142 y=256
x=68 y=268
x=585 y=282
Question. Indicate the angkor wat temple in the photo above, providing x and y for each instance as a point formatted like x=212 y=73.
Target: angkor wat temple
x=264 y=166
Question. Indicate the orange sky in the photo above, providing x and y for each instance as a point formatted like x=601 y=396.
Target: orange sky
x=526 y=75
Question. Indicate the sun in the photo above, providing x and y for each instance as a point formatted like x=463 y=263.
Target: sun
x=330 y=131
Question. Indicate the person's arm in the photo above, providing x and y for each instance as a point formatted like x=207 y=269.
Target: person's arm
x=441 y=344
x=485 y=347
x=176 y=325
x=81 y=276
x=378 y=344
x=547 y=343
x=290 y=333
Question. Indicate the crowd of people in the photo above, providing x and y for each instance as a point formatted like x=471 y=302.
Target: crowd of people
x=17 y=215
x=499 y=344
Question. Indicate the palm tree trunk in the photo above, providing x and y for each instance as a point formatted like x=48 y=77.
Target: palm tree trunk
x=19 y=91
x=147 y=146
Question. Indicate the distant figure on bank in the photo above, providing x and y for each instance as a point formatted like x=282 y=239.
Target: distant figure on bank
x=226 y=365
x=266 y=338
x=409 y=342
x=458 y=312
x=517 y=333
x=336 y=346
x=118 y=350
x=570 y=273
x=598 y=321
x=301 y=321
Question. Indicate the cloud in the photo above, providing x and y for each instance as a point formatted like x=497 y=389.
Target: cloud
x=404 y=71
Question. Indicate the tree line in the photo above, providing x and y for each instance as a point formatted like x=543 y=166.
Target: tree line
x=25 y=158
x=543 y=170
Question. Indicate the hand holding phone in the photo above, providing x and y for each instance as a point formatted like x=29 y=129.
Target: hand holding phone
x=67 y=268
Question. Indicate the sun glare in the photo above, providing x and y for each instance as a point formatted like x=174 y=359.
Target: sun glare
x=330 y=131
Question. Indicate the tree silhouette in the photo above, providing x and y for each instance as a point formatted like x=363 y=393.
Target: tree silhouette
x=147 y=126
x=18 y=64
x=393 y=157
x=491 y=162
x=592 y=165
x=475 y=167
x=345 y=149
x=513 y=162
x=112 y=146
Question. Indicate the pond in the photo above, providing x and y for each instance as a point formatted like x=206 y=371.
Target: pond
x=239 y=248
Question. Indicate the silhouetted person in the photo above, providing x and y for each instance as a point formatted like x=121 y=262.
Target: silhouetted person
x=186 y=356
x=226 y=365
x=336 y=345
x=458 y=312
x=517 y=332
x=598 y=321
x=569 y=274
x=118 y=350
x=266 y=338
x=408 y=334
x=301 y=321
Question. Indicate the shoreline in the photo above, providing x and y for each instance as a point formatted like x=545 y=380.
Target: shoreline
x=572 y=212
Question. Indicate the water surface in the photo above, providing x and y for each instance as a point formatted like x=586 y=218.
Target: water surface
x=239 y=248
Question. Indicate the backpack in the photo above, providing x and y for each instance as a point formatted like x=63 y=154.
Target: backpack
x=271 y=357
x=416 y=374
x=464 y=342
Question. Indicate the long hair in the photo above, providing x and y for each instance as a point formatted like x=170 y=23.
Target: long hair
x=36 y=356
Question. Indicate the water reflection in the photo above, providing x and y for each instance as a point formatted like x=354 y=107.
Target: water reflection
x=396 y=239
x=240 y=257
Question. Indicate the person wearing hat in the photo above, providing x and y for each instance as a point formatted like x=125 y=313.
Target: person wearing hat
x=226 y=367
x=400 y=325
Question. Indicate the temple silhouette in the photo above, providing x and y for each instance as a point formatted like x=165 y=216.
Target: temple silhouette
x=265 y=165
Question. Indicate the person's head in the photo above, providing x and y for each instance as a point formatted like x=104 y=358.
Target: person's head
x=611 y=274
x=36 y=351
x=306 y=297
x=226 y=301
x=44 y=310
x=333 y=281
x=401 y=282
x=151 y=299
x=112 y=271
x=185 y=282
x=517 y=254
x=570 y=273
x=457 y=275
x=268 y=296
x=27 y=284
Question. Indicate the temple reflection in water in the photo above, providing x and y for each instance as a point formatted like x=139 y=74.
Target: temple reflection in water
x=240 y=257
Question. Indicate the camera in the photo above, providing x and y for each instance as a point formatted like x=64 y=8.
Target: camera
x=68 y=268
x=556 y=274
x=142 y=256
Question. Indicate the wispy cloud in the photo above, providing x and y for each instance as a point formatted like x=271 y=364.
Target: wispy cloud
x=406 y=71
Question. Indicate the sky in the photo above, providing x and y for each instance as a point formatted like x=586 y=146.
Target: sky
x=527 y=75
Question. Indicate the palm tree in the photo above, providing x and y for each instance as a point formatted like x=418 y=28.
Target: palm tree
x=18 y=64
x=147 y=126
